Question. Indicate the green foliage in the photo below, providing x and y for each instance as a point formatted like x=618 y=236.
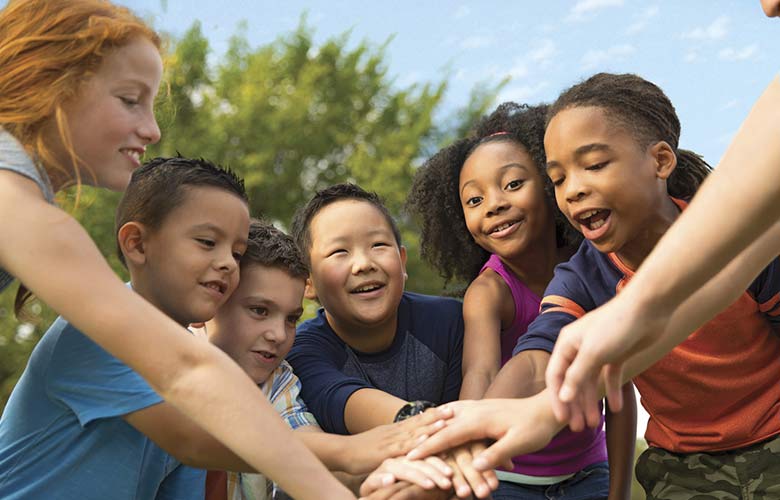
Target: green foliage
x=291 y=117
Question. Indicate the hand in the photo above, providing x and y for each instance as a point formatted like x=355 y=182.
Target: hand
x=428 y=474
x=406 y=491
x=465 y=478
x=367 y=450
x=519 y=425
x=597 y=345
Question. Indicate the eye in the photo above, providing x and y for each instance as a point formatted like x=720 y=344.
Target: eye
x=338 y=251
x=597 y=166
x=514 y=184
x=557 y=182
x=237 y=256
x=259 y=310
x=380 y=244
x=474 y=201
x=129 y=101
x=206 y=242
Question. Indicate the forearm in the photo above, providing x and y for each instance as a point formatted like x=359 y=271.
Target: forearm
x=331 y=449
x=369 y=408
x=475 y=384
x=522 y=376
x=746 y=182
x=621 y=441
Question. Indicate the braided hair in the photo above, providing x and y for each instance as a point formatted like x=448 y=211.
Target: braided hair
x=642 y=108
x=434 y=199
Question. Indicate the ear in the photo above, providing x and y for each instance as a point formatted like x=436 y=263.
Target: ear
x=310 y=292
x=131 y=237
x=665 y=159
x=402 y=252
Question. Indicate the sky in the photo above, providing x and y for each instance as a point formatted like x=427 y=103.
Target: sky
x=713 y=58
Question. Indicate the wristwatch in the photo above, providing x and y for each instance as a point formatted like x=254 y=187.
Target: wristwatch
x=412 y=408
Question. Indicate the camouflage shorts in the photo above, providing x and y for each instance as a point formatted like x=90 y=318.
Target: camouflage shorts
x=750 y=473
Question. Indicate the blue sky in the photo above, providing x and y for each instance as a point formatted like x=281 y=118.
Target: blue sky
x=712 y=58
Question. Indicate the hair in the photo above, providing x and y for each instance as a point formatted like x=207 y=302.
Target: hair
x=641 y=108
x=160 y=185
x=301 y=225
x=48 y=49
x=434 y=198
x=269 y=247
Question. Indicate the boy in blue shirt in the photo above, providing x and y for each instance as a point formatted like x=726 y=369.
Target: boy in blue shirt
x=80 y=423
x=374 y=354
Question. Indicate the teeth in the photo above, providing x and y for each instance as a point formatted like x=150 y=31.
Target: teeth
x=589 y=213
x=598 y=224
x=502 y=227
x=367 y=288
x=133 y=154
x=214 y=286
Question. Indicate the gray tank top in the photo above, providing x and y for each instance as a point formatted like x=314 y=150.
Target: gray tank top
x=13 y=157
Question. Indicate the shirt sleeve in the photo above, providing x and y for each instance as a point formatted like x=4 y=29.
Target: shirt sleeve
x=93 y=383
x=285 y=397
x=317 y=361
x=565 y=300
x=766 y=290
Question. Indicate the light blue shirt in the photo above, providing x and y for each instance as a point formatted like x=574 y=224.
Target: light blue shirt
x=62 y=435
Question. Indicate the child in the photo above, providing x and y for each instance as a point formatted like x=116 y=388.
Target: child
x=256 y=327
x=507 y=241
x=77 y=89
x=374 y=354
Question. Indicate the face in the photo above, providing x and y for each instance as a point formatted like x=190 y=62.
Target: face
x=256 y=326
x=111 y=121
x=357 y=268
x=190 y=264
x=608 y=186
x=503 y=199
x=771 y=7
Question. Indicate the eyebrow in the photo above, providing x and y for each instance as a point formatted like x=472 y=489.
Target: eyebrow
x=582 y=151
x=213 y=227
x=503 y=167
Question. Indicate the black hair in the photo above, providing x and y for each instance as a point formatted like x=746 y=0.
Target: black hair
x=301 y=224
x=643 y=109
x=434 y=199
x=270 y=247
x=159 y=186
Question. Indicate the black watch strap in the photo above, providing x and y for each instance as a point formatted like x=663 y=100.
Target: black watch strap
x=411 y=409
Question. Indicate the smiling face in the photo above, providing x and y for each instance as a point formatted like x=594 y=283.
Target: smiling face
x=357 y=268
x=503 y=199
x=610 y=188
x=190 y=263
x=256 y=326
x=111 y=121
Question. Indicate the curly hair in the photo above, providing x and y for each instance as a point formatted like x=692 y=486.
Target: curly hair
x=434 y=198
x=643 y=109
x=270 y=247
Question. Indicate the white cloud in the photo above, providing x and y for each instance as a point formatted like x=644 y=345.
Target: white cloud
x=643 y=20
x=522 y=93
x=544 y=52
x=691 y=57
x=731 y=104
x=594 y=58
x=731 y=54
x=714 y=31
x=462 y=11
x=477 y=42
x=584 y=7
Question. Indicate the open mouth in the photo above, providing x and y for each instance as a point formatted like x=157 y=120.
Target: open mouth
x=503 y=227
x=367 y=288
x=217 y=286
x=134 y=155
x=593 y=219
x=269 y=356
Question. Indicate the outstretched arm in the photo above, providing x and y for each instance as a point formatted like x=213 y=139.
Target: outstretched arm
x=54 y=257
x=747 y=182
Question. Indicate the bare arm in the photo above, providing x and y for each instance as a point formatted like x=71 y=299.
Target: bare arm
x=368 y=408
x=481 y=336
x=521 y=376
x=621 y=441
x=54 y=257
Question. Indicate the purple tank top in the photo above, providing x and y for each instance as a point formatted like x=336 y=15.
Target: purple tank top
x=568 y=452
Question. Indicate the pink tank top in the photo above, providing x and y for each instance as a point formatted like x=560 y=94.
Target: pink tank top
x=568 y=452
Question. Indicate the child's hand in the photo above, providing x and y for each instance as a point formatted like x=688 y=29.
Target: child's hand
x=430 y=473
x=465 y=478
x=519 y=426
x=368 y=449
x=405 y=491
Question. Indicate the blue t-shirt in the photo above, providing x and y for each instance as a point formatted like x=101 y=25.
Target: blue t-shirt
x=423 y=362
x=62 y=435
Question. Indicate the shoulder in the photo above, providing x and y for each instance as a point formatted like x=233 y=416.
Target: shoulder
x=417 y=303
x=486 y=294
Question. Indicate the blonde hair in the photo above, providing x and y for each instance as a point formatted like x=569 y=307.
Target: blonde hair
x=48 y=49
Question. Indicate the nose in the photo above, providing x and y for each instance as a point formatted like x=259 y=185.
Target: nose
x=575 y=188
x=226 y=261
x=362 y=262
x=496 y=202
x=148 y=130
x=276 y=333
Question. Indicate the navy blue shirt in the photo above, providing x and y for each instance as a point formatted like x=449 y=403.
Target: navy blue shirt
x=423 y=362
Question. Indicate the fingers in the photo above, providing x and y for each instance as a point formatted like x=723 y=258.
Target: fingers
x=448 y=437
x=498 y=454
x=384 y=493
x=376 y=481
x=459 y=483
x=474 y=478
